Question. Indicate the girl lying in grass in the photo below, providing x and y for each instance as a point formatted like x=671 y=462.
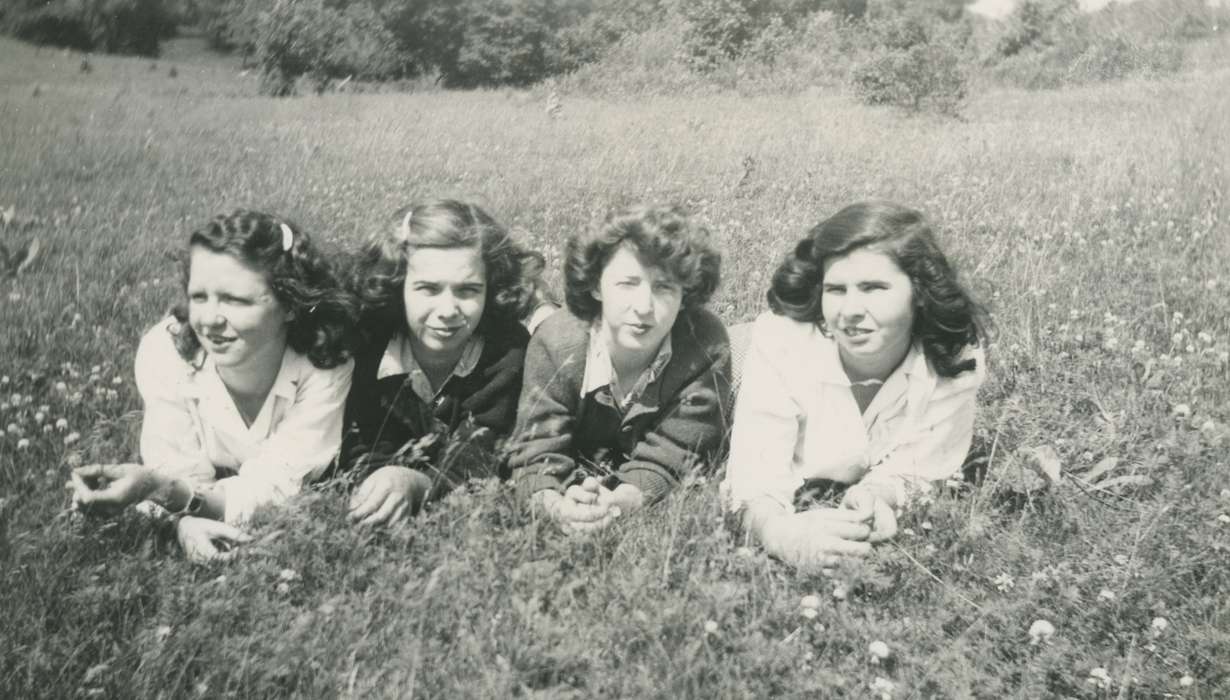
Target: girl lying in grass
x=865 y=373
x=439 y=371
x=624 y=393
x=243 y=386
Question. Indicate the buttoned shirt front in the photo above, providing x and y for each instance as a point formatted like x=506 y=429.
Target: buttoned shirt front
x=796 y=419
x=399 y=359
x=600 y=368
x=192 y=428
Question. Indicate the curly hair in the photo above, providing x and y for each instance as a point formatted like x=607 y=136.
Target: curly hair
x=946 y=319
x=662 y=236
x=321 y=312
x=514 y=273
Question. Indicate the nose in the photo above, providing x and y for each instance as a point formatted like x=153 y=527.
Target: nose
x=853 y=306
x=211 y=314
x=450 y=306
x=642 y=300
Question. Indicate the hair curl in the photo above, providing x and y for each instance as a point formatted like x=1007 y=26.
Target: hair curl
x=321 y=313
x=514 y=273
x=662 y=236
x=946 y=319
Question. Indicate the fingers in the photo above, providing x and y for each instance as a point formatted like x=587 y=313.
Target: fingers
x=573 y=512
x=385 y=512
x=885 y=522
x=591 y=484
x=218 y=530
x=845 y=515
x=857 y=532
x=367 y=500
x=581 y=494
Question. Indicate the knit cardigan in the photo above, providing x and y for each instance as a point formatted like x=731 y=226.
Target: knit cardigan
x=464 y=423
x=679 y=422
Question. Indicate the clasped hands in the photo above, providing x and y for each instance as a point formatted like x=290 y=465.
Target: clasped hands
x=822 y=537
x=589 y=506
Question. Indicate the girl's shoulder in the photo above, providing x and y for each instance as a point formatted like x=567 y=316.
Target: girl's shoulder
x=774 y=330
x=562 y=330
x=158 y=350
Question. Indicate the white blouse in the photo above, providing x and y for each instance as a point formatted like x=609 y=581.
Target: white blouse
x=191 y=424
x=797 y=419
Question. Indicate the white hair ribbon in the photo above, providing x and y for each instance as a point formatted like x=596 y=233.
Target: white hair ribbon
x=405 y=224
x=288 y=238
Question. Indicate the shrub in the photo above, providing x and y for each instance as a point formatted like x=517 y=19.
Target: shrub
x=911 y=66
x=309 y=38
x=112 y=26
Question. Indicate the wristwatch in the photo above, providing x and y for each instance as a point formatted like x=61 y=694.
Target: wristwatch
x=193 y=506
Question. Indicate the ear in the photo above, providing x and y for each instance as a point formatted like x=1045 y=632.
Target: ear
x=596 y=293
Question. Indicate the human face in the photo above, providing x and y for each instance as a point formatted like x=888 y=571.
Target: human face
x=639 y=303
x=233 y=311
x=445 y=294
x=868 y=305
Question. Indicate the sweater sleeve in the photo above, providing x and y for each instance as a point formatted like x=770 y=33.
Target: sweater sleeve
x=542 y=452
x=693 y=421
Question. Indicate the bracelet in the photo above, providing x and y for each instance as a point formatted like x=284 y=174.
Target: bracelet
x=193 y=506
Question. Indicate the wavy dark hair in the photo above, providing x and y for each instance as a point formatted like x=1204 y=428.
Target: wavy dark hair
x=947 y=320
x=514 y=273
x=321 y=312
x=662 y=236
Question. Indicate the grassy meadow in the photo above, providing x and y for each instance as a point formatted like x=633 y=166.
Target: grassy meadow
x=1093 y=221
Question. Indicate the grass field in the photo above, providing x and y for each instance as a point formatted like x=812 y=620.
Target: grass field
x=1094 y=222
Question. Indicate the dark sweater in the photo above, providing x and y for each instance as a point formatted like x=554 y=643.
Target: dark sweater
x=680 y=421
x=469 y=415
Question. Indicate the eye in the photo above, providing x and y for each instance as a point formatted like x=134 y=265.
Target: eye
x=665 y=286
x=627 y=284
x=834 y=289
x=470 y=291
x=426 y=288
x=872 y=286
x=236 y=300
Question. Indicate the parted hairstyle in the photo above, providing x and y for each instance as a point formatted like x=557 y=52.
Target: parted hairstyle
x=321 y=312
x=946 y=319
x=661 y=236
x=514 y=273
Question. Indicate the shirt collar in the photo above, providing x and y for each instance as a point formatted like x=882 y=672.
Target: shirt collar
x=831 y=371
x=399 y=359
x=203 y=370
x=600 y=370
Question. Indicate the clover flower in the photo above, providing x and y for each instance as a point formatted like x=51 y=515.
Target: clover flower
x=1099 y=677
x=1158 y=626
x=1004 y=582
x=879 y=651
x=1040 y=632
x=711 y=627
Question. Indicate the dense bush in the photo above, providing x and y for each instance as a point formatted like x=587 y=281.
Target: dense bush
x=1050 y=44
x=911 y=65
x=297 y=38
x=112 y=26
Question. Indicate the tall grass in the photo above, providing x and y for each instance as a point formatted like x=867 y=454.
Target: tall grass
x=1092 y=220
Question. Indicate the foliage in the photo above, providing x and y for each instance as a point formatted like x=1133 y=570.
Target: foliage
x=911 y=66
x=315 y=39
x=111 y=26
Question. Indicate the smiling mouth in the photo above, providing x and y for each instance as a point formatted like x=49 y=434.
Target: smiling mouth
x=446 y=332
x=639 y=328
x=218 y=340
x=852 y=332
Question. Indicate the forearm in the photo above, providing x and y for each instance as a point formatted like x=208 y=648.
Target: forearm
x=176 y=495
